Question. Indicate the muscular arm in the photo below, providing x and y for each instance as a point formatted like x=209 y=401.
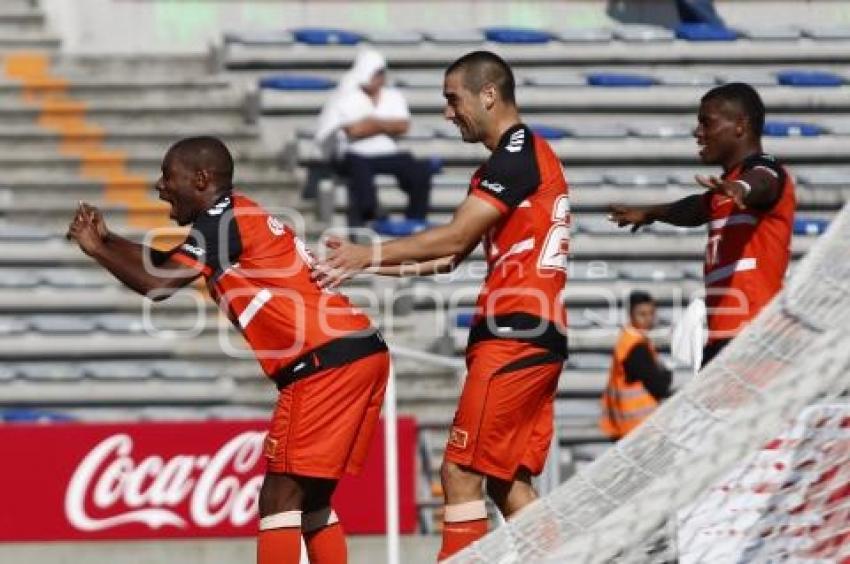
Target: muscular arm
x=132 y=263
x=687 y=212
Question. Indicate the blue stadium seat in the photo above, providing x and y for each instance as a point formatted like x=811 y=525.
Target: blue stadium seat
x=516 y=35
x=464 y=319
x=615 y=79
x=550 y=132
x=705 y=32
x=435 y=164
x=326 y=36
x=804 y=226
x=24 y=415
x=792 y=129
x=297 y=82
x=809 y=78
x=271 y=37
x=399 y=227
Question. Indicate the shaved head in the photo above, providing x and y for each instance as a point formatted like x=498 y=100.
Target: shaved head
x=206 y=154
x=481 y=68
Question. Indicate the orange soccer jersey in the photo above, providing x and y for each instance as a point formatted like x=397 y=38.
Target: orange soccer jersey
x=259 y=273
x=517 y=343
x=748 y=251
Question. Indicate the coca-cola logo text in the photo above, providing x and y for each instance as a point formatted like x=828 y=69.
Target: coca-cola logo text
x=222 y=486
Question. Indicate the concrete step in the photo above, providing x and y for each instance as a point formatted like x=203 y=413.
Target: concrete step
x=130 y=88
x=16 y=19
x=122 y=66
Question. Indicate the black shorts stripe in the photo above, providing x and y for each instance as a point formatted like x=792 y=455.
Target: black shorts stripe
x=536 y=359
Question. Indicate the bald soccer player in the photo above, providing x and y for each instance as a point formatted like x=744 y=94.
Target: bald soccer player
x=749 y=210
x=328 y=362
x=518 y=206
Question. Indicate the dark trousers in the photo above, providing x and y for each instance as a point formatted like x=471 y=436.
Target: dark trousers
x=413 y=175
x=698 y=11
x=712 y=349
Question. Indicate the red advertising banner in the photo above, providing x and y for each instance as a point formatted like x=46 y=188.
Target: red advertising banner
x=166 y=480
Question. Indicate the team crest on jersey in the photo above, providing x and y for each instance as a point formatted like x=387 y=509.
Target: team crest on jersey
x=275 y=225
x=516 y=142
x=219 y=208
x=192 y=250
x=458 y=438
x=493 y=186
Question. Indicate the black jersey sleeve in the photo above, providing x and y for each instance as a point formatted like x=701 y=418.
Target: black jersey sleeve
x=512 y=173
x=213 y=244
x=770 y=164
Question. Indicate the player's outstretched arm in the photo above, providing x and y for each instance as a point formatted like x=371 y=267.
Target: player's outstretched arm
x=687 y=212
x=126 y=260
x=455 y=239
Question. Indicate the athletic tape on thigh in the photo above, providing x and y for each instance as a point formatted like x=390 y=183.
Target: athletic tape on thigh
x=281 y=520
x=468 y=511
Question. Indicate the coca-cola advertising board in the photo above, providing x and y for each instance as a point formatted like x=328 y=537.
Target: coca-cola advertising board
x=167 y=480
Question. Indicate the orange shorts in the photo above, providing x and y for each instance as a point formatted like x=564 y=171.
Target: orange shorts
x=322 y=425
x=504 y=419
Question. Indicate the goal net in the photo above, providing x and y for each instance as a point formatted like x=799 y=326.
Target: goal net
x=677 y=487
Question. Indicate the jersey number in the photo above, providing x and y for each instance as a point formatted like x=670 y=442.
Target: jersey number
x=556 y=249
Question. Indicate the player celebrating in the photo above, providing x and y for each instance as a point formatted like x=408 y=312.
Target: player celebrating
x=518 y=204
x=749 y=209
x=330 y=365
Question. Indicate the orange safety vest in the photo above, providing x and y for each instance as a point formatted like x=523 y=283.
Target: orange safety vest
x=625 y=404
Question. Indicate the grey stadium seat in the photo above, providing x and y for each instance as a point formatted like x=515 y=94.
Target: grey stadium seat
x=685 y=78
x=178 y=370
x=825 y=178
x=584 y=178
x=270 y=37
x=71 y=278
x=693 y=271
x=11 y=278
x=772 y=33
x=643 y=33
x=585 y=35
x=592 y=271
x=590 y=361
x=13 y=326
x=117 y=370
x=650 y=272
x=121 y=324
x=50 y=371
x=752 y=77
x=560 y=79
x=456 y=36
x=638 y=178
x=15 y=232
x=62 y=324
x=8 y=372
x=828 y=32
x=661 y=228
x=393 y=37
x=662 y=129
x=599 y=225
x=431 y=80
x=600 y=130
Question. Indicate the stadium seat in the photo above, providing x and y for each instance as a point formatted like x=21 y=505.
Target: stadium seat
x=652 y=272
x=447 y=131
x=828 y=32
x=516 y=35
x=705 y=32
x=638 y=33
x=637 y=178
x=584 y=177
x=117 y=370
x=753 y=77
x=582 y=35
x=7 y=373
x=179 y=370
x=399 y=227
x=599 y=225
x=599 y=130
x=663 y=130
x=619 y=80
x=772 y=33
x=792 y=129
x=10 y=278
x=13 y=232
x=430 y=80
x=455 y=36
x=297 y=82
x=50 y=371
x=272 y=37
x=829 y=177
x=464 y=319
x=550 y=132
x=809 y=78
x=660 y=228
x=804 y=226
x=61 y=324
x=686 y=78
x=13 y=326
x=73 y=278
x=420 y=133
x=590 y=361
x=25 y=415
x=592 y=271
x=559 y=79
x=326 y=36
x=576 y=320
x=393 y=37
x=121 y=324
x=694 y=271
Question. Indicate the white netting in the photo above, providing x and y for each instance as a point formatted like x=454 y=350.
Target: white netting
x=624 y=506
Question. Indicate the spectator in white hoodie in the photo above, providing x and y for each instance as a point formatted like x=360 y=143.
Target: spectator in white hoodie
x=357 y=132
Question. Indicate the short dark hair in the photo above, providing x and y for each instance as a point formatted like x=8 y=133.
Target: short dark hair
x=746 y=98
x=638 y=297
x=484 y=67
x=205 y=153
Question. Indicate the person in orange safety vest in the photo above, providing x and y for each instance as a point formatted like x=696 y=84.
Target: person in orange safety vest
x=637 y=381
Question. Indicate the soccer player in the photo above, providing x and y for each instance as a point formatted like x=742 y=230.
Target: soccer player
x=749 y=210
x=328 y=362
x=518 y=204
x=637 y=381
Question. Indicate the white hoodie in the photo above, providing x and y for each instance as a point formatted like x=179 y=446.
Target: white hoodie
x=348 y=104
